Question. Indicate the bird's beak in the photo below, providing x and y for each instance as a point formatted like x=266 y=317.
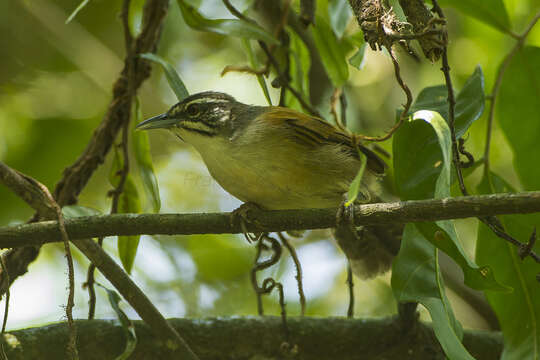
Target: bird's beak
x=157 y=122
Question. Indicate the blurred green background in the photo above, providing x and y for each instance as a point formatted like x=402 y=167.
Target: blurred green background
x=55 y=86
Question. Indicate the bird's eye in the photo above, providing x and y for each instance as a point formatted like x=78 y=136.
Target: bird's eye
x=192 y=110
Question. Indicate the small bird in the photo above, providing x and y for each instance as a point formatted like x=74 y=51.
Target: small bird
x=279 y=158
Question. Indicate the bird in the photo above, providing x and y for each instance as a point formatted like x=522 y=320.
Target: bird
x=279 y=158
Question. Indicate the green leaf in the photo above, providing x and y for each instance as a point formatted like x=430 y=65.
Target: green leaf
x=518 y=312
x=128 y=202
x=340 y=14
x=174 y=80
x=299 y=65
x=255 y=64
x=231 y=27
x=426 y=174
x=76 y=11
x=357 y=60
x=127 y=245
x=74 y=211
x=416 y=277
x=331 y=51
x=127 y=325
x=470 y=101
x=519 y=115
x=354 y=188
x=143 y=157
x=491 y=12
x=136 y=16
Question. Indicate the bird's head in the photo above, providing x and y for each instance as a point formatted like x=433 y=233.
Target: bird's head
x=206 y=114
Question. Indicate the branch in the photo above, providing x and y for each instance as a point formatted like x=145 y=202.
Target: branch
x=268 y=221
x=249 y=338
x=22 y=184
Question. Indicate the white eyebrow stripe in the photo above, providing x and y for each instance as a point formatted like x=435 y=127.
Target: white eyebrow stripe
x=207 y=100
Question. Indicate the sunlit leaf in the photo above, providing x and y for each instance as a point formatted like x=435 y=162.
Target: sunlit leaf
x=127 y=325
x=141 y=147
x=76 y=11
x=331 y=51
x=469 y=101
x=174 y=80
x=519 y=114
x=422 y=164
x=491 y=12
x=518 y=312
x=357 y=60
x=135 y=16
x=354 y=188
x=232 y=27
x=340 y=14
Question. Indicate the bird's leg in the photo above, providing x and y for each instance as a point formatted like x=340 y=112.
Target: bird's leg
x=242 y=215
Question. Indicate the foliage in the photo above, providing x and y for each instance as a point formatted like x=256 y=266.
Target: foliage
x=53 y=96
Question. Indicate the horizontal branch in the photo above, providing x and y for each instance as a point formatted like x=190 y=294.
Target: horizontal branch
x=269 y=221
x=253 y=337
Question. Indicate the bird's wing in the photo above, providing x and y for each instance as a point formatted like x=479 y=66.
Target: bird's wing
x=314 y=131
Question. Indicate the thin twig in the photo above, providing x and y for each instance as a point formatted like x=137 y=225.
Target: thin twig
x=496 y=86
x=298 y=267
x=350 y=286
x=526 y=249
x=285 y=83
x=253 y=277
x=451 y=106
x=128 y=38
x=404 y=113
x=90 y=281
x=343 y=106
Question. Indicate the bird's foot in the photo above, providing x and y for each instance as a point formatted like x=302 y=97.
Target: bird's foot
x=244 y=216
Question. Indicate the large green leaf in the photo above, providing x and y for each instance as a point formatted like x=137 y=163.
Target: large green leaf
x=519 y=114
x=491 y=12
x=174 y=80
x=518 y=312
x=422 y=165
x=128 y=202
x=416 y=277
x=469 y=101
x=143 y=157
x=232 y=27
x=332 y=52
